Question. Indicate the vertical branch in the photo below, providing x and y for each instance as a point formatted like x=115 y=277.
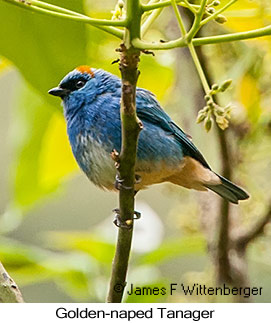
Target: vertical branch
x=222 y=236
x=223 y=264
x=222 y=259
x=131 y=127
x=9 y=291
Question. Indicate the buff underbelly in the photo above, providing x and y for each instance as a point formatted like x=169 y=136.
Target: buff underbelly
x=101 y=169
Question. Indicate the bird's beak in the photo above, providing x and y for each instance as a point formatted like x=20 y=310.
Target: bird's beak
x=58 y=91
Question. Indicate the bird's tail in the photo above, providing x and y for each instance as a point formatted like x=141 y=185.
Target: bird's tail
x=228 y=190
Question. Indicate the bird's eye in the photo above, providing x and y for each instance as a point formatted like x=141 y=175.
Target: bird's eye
x=80 y=84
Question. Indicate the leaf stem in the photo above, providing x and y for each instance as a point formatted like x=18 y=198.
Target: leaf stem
x=190 y=6
x=196 y=24
x=52 y=10
x=245 y=35
x=191 y=48
x=199 y=68
x=149 y=21
x=179 y=17
x=181 y=42
x=162 y=4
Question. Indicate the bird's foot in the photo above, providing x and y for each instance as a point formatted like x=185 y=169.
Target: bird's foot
x=125 y=224
x=119 y=182
x=138 y=179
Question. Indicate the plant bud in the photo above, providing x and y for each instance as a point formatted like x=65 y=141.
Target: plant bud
x=216 y=3
x=219 y=111
x=225 y=85
x=215 y=87
x=221 y=19
x=211 y=10
x=120 y=4
x=205 y=109
x=211 y=105
x=201 y=117
x=208 y=124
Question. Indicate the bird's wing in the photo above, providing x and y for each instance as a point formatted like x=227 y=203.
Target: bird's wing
x=149 y=109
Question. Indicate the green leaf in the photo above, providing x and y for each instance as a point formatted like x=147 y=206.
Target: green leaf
x=16 y=255
x=175 y=248
x=73 y=272
x=43 y=155
x=28 y=264
x=43 y=48
x=86 y=242
x=30 y=123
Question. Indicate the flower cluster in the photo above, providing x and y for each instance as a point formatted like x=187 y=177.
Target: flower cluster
x=210 y=10
x=213 y=110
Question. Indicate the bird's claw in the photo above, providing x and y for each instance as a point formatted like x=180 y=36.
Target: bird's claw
x=125 y=224
x=137 y=215
x=138 y=179
x=119 y=182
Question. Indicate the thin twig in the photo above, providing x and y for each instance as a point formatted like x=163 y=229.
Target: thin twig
x=256 y=229
x=223 y=266
x=223 y=225
x=181 y=42
x=107 y=26
x=162 y=4
x=64 y=14
x=190 y=6
x=196 y=23
x=59 y=12
x=9 y=291
x=149 y=21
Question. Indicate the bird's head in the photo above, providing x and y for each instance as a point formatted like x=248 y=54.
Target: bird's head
x=83 y=84
x=76 y=83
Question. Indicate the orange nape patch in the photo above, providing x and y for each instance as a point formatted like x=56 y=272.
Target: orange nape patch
x=85 y=69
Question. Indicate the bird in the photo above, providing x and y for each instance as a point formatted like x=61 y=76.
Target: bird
x=165 y=153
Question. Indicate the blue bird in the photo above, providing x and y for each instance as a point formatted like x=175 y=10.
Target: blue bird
x=91 y=99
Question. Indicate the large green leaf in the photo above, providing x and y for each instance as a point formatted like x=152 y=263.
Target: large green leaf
x=82 y=241
x=43 y=156
x=27 y=264
x=16 y=255
x=175 y=248
x=44 y=48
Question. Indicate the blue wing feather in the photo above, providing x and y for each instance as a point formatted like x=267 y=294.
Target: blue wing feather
x=148 y=108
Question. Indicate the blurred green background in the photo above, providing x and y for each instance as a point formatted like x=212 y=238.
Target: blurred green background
x=56 y=233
